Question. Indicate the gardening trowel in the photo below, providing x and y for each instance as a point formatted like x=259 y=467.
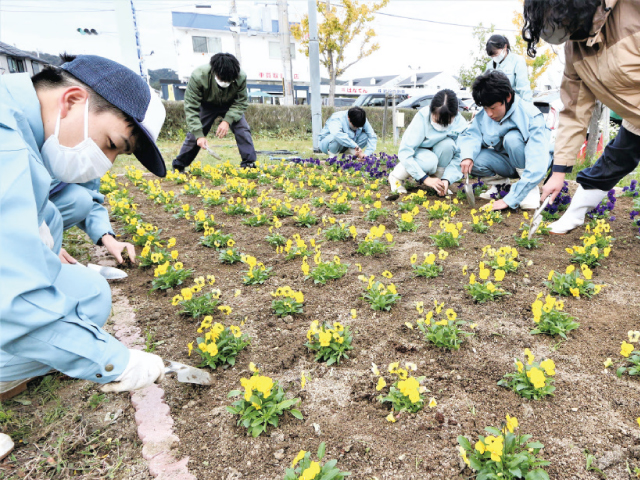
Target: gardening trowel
x=537 y=217
x=213 y=153
x=186 y=374
x=109 y=273
x=468 y=191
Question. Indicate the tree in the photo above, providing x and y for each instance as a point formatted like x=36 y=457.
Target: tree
x=336 y=32
x=467 y=75
x=536 y=66
x=161 y=74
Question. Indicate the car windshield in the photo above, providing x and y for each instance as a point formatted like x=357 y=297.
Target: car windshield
x=361 y=100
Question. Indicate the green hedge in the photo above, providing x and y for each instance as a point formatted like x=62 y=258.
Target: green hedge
x=272 y=120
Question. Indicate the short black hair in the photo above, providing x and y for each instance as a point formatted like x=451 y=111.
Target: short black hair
x=53 y=77
x=225 y=66
x=491 y=87
x=497 y=42
x=357 y=117
x=574 y=15
x=444 y=105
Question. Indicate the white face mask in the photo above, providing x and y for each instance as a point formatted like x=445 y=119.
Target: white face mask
x=555 y=36
x=79 y=164
x=222 y=84
x=498 y=58
x=439 y=128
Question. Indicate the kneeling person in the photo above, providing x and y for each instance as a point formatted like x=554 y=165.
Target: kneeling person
x=429 y=145
x=508 y=139
x=348 y=132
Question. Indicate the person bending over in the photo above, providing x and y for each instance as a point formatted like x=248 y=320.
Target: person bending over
x=428 y=145
x=348 y=131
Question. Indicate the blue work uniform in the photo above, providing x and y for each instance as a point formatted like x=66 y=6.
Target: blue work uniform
x=81 y=205
x=519 y=141
x=50 y=314
x=515 y=68
x=423 y=149
x=337 y=135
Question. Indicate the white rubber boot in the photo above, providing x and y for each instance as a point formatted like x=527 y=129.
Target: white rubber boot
x=532 y=200
x=396 y=177
x=581 y=203
x=494 y=182
x=439 y=173
x=6 y=445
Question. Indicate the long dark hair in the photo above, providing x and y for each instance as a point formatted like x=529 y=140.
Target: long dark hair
x=445 y=106
x=538 y=14
x=497 y=42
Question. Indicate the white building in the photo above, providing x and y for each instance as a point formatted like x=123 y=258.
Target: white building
x=198 y=37
x=432 y=81
x=14 y=60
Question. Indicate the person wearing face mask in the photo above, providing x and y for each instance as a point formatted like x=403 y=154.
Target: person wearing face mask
x=80 y=203
x=512 y=65
x=218 y=89
x=601 y=63
x=428 y=146
x=69 y=122
x=506 y=140
x=348 y=132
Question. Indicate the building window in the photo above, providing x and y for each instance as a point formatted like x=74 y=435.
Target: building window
x=274 y=50
x=36 y=67
x=16 y=65
x=210 y=45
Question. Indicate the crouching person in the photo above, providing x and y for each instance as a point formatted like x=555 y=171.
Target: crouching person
x=429 y=145
x=348 y=132
x=65 y=120
x=507 y=140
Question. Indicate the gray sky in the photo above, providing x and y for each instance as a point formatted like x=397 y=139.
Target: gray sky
x=50 y=26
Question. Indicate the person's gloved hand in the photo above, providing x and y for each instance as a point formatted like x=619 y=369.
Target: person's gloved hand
x=142 y=370
x=45 y=235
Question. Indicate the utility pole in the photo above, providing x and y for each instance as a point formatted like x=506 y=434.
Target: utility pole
x=314 y=70
x=129 y=37
x=285 y=52
x=235 y=30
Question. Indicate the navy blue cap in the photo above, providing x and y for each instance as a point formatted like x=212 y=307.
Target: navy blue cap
x=127 y=91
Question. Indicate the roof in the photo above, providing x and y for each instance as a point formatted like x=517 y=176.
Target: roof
x=11 y=51
x=421 y=79
x=211 y=22
x=327 y=81
x=379 y=80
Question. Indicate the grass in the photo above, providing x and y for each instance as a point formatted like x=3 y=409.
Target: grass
x=77 y=244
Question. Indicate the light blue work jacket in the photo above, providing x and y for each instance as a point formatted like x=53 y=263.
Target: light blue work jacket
x=483 y=132
x=338 y=127
x=97 y=223
x=515 y=68
x=37 y=320
x=421 y=134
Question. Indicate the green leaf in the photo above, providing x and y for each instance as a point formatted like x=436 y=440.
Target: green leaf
x=296 y=413
x=464 y=443
x=234 y=393
x=321 y=448
x=537 y=474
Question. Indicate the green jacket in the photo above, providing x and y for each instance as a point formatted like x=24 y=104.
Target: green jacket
x=202 y=87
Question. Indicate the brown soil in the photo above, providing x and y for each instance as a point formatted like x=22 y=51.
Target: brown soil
x=592 y=409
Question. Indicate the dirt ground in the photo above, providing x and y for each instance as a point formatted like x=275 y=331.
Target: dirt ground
x=592 y=410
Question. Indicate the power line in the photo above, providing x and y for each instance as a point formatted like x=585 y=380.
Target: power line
x=440 y=23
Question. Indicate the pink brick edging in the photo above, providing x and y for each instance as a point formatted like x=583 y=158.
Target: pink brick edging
x=153 y=416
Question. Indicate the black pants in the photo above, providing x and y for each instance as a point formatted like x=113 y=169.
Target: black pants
x=620 y=157
x=208 y=114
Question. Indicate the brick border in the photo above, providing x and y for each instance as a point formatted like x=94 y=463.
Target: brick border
x=153 y=416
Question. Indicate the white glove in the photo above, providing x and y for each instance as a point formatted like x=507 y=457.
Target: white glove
x=142 y=370
x=45 y=235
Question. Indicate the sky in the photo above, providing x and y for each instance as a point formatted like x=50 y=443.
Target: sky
x=422 y=41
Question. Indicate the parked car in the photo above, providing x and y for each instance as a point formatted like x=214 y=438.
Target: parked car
x=377 y=99
x=343 y=101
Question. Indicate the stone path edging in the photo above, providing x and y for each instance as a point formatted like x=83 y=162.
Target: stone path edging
x=153 y=416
